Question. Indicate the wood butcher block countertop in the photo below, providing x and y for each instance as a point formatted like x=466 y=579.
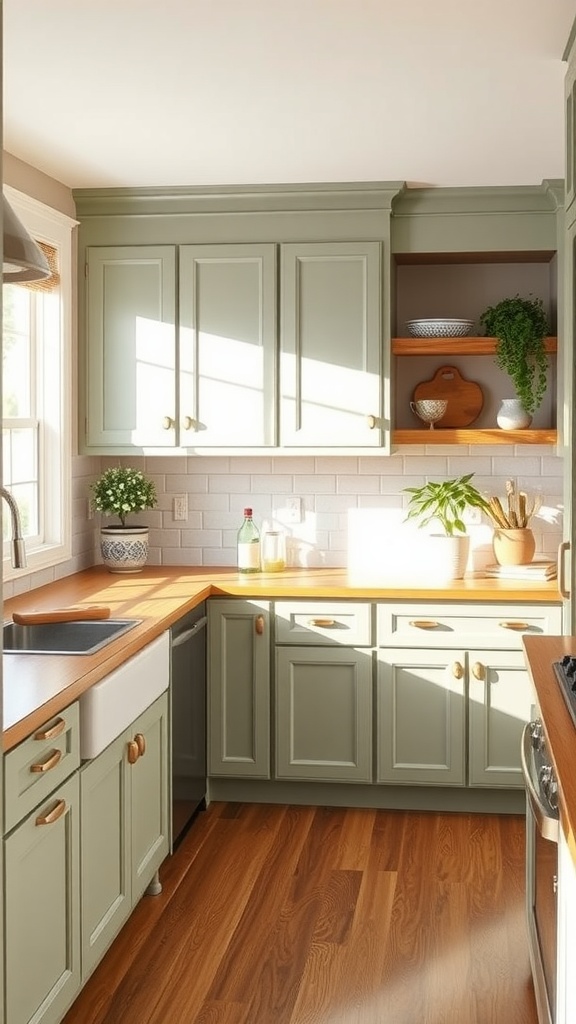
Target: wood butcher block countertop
x=37 y=687
x=541 y=652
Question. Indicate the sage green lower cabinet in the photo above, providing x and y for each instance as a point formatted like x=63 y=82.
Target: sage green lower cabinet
x=324 y=714
x=42 y=910
x=106 y=889
x=239 y=688
x=421 y=717
x=500 y=701
x=125 y=827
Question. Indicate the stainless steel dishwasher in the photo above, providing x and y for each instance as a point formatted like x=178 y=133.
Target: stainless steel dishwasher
x=188 y=690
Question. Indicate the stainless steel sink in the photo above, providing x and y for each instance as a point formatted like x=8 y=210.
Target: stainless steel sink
x=83 y=636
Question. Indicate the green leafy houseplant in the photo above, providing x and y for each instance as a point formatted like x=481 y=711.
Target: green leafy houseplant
x=446 y=502
x=122 y=490
x=520 y=325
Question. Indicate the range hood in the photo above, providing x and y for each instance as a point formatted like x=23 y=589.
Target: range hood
x=23 y=259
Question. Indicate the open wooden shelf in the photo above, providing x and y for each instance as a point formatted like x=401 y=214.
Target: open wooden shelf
x=467 y=436
x=454 y=346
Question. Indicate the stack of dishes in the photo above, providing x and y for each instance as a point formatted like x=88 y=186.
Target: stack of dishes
x=439 y=328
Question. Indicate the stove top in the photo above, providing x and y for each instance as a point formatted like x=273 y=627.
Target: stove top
x=566 y=674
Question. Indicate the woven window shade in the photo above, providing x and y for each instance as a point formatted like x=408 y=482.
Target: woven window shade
x=48 y=284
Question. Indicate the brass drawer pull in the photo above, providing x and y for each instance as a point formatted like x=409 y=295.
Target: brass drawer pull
x=55 y=730
x=133 y=752
x=46 y=766
x=140 y=742
x=519 y=627
x=457 y=670
x=478 y=670
x=322 y=622
x=259 y=624
x=424 y=623
x=53 y=815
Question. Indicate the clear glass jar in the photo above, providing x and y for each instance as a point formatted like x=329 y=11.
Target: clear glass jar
x=273 y=551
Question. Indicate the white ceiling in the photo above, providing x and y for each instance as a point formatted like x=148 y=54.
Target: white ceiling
x=206 y=92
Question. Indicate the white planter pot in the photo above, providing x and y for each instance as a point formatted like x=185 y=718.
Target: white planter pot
x=124 y=548
x=448 y=556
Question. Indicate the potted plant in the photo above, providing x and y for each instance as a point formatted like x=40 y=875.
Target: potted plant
x=120 y=492
x=520 y=326
x=447 y=502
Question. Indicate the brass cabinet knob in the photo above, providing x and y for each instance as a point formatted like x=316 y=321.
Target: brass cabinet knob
x=133 y=752
x=168 y=423
x=140 y=742
x=457 y=670
x=259 y=624
x=478 y=670
x=188 y=423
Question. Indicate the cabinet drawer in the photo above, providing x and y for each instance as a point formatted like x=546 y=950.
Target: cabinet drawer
x=39 y=764
x=402 y=624
x=323 y=622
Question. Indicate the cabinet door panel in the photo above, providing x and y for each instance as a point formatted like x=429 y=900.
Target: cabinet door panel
x=331 y=350
x=227 y=345
x=500 y=705
x=324 y=714
x=239 y=688
x=421 y=717
x=131 y=345
x=106 y=889
x=42 y=907
x=150 y=838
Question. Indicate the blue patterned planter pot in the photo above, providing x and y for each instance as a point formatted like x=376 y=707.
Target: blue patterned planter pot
x=124 y=549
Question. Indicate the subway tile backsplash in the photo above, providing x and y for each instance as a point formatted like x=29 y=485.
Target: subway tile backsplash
x=353 y=507
x=335 y=493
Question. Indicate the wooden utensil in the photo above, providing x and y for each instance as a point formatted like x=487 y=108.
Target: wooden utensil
x=36 y=618
x=465 y=398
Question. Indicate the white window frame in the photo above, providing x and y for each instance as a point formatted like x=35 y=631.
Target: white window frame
x=55 y=455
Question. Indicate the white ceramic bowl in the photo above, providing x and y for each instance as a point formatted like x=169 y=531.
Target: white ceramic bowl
x=439 y=328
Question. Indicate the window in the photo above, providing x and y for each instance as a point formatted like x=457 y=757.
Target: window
x=36 y=394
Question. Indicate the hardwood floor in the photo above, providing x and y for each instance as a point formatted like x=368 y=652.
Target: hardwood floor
x=301 y=915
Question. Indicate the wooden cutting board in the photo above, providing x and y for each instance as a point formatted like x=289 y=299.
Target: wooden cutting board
x=35 y=618
x=465 y=398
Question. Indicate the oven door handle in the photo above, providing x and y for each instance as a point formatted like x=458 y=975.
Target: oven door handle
x=546 y=819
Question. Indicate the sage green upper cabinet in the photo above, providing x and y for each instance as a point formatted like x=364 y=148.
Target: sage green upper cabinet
x=131 y=346
x=227 y=345
x=330 y=370
x=235 y=318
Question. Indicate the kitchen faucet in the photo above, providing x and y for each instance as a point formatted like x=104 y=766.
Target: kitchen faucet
x=18 y=549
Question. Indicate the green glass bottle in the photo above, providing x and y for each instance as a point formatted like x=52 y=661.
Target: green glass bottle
x=248 y=544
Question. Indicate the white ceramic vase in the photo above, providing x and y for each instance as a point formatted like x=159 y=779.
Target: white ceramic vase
x=512 y=415
x=124 y=548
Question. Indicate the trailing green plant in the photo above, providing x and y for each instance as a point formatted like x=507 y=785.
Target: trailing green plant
x=520 y=325
x=446 y=502
x=122 y=490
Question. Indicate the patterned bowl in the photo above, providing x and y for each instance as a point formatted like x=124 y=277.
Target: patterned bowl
x=439 y=328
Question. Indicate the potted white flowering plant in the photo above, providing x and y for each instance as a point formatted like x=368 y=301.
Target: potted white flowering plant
x=119 y=492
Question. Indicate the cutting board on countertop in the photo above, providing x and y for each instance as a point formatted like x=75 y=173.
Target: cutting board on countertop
x=465 y=398
x=36 y=618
